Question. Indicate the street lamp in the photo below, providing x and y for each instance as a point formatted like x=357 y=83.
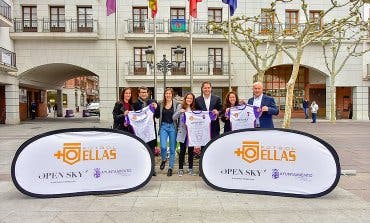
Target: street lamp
x=164 y=65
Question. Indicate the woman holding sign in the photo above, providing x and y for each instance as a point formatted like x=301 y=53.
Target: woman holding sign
x=167 y=128
x=188 y=104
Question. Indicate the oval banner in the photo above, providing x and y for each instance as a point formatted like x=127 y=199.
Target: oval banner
x=83 y=161
x=271 y=161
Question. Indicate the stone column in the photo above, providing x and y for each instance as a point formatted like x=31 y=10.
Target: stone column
x=12 y=104
x=360 y=97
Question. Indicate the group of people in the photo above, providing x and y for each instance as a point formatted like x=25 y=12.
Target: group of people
x=314 y=108
x=173 y=126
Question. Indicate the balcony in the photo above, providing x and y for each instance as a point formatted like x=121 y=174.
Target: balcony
x=50 y=29
x=202 y=71
x=5 y=14
x=7 y=60
x=179 y=28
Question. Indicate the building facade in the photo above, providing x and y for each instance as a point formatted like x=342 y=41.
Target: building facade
x=63 y=39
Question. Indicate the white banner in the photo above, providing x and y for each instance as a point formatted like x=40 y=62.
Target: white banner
x=278 y=162
x=81 y=161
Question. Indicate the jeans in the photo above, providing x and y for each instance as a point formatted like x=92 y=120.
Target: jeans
x=305 y=112
x=167 y=131
x=314 y=115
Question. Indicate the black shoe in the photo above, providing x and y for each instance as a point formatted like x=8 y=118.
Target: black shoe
x=154 y=174
x=169 y=172
x=162 y=165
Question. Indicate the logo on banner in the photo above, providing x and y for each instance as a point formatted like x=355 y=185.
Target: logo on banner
x=73 y=153
x=122 y=172
x=62 y=177
x=251 y=151
x=276 y=174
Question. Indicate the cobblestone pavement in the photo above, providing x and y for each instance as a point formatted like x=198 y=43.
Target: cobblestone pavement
x=189 y=199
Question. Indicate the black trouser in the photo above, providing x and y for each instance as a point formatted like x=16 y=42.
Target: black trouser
x=152 y=144
x=182 y=156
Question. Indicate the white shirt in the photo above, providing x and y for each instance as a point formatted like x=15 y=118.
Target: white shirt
x=142 y=122
x=243 y=116
x=257 y=101
x=207 y=101
x=198 y=124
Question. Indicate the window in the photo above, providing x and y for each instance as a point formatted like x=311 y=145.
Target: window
x=84 y=19
x=215 y=15
x=275 y=81
x=57 y=19
x=29 y=18
x=316 y=19
x=215 y=60
x=178 y=69
x=178 y=22
x=291 y=21
x=267 y=21
x=139 y=15
x=139 y=61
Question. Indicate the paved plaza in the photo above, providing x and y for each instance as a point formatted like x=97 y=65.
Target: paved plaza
x=189 y=199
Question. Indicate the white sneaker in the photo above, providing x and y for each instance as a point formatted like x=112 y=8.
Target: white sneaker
x=180 y=173
x=191 y=172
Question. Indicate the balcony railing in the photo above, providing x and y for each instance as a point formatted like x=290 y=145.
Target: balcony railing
x=200 y=68
x=46 y=25
x=7 y=58
x=288 y=28
x=5 y=10
x=167 y=26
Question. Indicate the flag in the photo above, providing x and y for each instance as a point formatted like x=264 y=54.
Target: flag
x=232 y=4
x=193 y=7
x=111 y=7
x=153 y=7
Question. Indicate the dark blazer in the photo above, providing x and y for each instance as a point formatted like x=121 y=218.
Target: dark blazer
x=266 y=117
x=119 y=117
x=215 y=103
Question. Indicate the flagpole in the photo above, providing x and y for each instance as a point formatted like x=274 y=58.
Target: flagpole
x=191 y=52
x=155 y=58
x=117 y=55
x=229 y=49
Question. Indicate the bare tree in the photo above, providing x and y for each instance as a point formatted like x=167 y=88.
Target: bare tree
x=310 y=32
x=339 y=47
x=260 y=44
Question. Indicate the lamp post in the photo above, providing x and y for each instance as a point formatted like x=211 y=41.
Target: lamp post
x=164 y=65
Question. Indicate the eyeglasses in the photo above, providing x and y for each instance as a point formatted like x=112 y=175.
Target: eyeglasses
x=142 y=92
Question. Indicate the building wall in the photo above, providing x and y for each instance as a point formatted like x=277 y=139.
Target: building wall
x=98 y=56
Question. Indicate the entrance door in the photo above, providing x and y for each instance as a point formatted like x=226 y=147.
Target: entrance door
x=343 y=102
x=319 y=95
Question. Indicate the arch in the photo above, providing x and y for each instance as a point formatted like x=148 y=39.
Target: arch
x=314 y=68
x=53 y=75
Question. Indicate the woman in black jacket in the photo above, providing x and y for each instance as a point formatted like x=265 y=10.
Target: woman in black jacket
x=121 y=109
x=231 y=100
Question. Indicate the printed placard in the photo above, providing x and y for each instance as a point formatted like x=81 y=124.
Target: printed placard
x=274 y=161
x=72 y=162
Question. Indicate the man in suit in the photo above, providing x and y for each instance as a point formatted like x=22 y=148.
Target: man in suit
x=267 y=105
x=143 y=101
x=209 y=102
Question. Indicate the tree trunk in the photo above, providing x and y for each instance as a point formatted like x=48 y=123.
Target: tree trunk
x=290 y=87
x=260 y=75
x=332 y=102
